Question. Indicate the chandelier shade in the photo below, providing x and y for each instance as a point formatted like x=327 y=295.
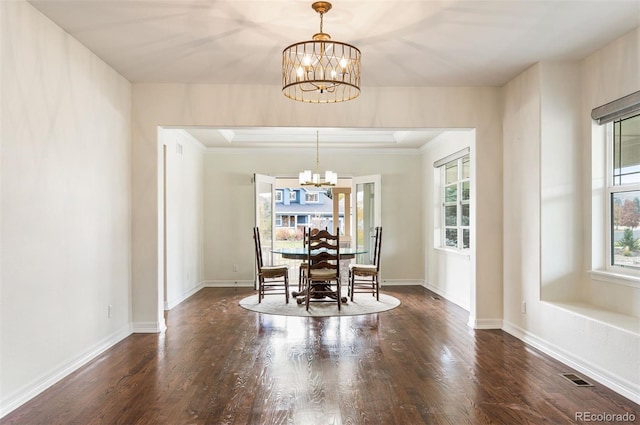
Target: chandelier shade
x=306 y=178
x=321 y=70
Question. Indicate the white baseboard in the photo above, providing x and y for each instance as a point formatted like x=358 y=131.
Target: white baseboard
x=13 y=401
x=169 y=304
x=484 y=323
x=148 y=327
x=445 y=295
x=228 y=284
x=616 y=383
x=400 y=282
x=473 y=322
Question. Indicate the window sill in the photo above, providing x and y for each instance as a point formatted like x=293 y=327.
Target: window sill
x=616 y=278
x=466 y=254
x=617 y=320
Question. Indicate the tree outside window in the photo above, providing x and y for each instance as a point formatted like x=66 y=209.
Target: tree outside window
x=626 y=237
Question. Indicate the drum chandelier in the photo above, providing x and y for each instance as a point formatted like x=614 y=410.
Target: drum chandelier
x=321 y=70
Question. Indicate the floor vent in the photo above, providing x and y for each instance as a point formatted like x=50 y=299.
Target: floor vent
x=435 y=297
x=577 y=381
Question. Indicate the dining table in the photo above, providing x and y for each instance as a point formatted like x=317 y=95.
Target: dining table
x=300 y=253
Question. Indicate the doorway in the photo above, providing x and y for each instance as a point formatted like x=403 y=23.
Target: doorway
x=297 y=208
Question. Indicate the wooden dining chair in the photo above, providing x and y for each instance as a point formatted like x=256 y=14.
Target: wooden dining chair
x=323 y=258
x=366 y=277
x=304 y=269
x=272 y=280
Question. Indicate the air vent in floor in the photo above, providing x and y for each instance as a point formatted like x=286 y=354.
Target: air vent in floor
x=577 y=381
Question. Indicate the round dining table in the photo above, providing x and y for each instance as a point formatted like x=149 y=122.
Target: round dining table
x=300 y=253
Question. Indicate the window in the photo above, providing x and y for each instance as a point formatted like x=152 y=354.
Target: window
x=292 y=195
x=455 y=195
x=624 y=193
x=278 y=195
x=288 y=221
x=311 y=197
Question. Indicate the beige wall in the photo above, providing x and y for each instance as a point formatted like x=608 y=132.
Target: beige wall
x=608 y=74
x=230 y=211
x=80 y=212
x=66 y=188
x=184 y=215
x=184 y=105
x=548 y=199
x=561 y=172
x=521 y=192
x=447 y=272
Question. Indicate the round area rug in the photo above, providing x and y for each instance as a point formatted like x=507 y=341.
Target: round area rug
x=362 y=304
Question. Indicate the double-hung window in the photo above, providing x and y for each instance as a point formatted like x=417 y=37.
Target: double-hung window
x=312 y=197
x=455 y=186
x=621 y=172
x=623 y=190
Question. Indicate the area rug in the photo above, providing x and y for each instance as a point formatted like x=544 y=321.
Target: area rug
x=362 y=304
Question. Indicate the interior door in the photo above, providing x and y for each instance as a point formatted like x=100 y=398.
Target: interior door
x=367 y=205
x=264 y=191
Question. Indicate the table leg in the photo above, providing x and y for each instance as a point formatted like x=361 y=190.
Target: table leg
x=301 y=297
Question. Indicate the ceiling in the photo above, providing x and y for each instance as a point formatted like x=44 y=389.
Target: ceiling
x=403 y=43
x=299 y=137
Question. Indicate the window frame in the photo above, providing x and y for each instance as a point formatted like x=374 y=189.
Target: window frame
x=610 y=190
x=288 y=221
x=459 y=203
x=309 y=201
x=279 y=195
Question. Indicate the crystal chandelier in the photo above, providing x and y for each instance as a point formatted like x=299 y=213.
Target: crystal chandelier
x=321 y=70
x=305 y=178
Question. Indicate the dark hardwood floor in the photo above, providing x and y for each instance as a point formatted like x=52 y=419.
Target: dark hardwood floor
x=220 y=364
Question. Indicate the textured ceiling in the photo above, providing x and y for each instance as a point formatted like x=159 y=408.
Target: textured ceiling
x=403 y=43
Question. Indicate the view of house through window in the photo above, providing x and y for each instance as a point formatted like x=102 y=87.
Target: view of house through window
x=455 y=193
x=624 y=193
x=300 y=208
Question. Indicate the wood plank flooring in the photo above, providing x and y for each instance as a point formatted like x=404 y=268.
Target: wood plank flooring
x=417 y=364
